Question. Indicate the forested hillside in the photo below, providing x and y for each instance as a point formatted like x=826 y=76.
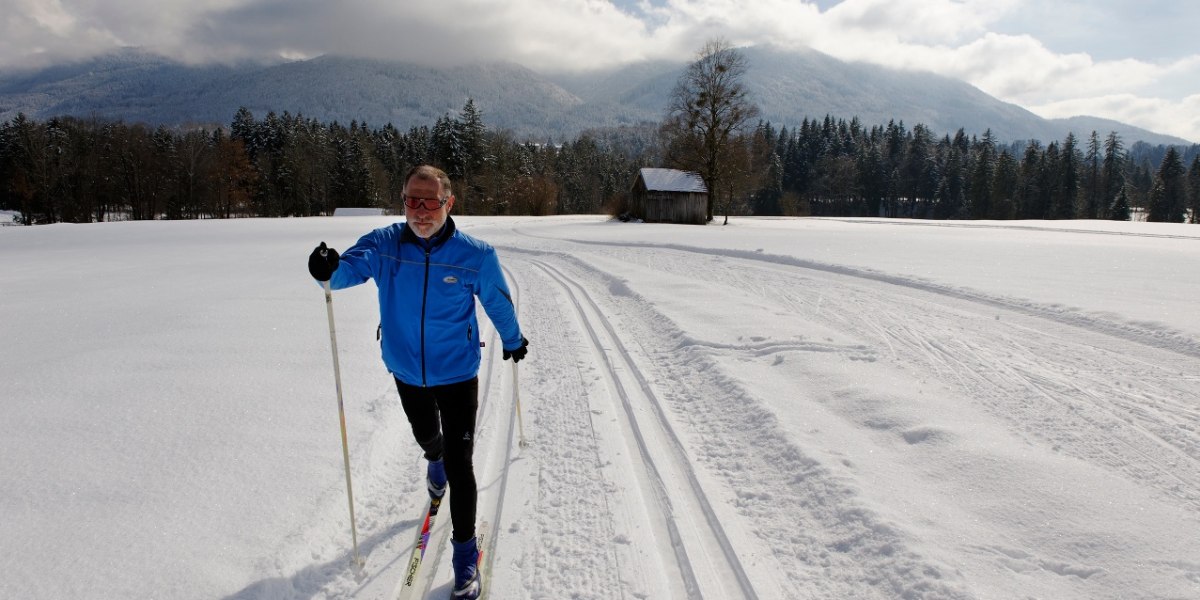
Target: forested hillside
x=789 y=86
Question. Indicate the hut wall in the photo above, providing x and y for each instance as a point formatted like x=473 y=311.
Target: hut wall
x=675 y=207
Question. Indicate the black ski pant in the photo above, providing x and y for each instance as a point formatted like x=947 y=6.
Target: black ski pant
x=443 y=423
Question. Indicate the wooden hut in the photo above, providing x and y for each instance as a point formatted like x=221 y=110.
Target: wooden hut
x=669 y=196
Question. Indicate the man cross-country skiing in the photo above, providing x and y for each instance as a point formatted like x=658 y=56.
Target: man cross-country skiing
x=428 y=274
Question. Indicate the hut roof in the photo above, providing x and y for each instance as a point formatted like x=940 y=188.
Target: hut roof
x=672 y=180
x=344 y=211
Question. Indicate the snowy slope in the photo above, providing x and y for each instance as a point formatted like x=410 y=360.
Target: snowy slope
x=777 y=408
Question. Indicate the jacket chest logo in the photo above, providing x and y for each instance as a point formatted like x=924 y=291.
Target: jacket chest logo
x=450 y=279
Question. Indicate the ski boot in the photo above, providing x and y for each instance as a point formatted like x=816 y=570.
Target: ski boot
x=466 y=569
x=436 y=479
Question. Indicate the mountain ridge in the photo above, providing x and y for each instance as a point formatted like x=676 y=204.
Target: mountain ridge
x=136 y=85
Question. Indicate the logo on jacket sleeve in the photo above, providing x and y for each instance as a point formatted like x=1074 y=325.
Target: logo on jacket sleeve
x=450 y=279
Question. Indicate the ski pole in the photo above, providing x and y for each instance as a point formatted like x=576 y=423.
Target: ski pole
x=337 y=378
x=517 y=395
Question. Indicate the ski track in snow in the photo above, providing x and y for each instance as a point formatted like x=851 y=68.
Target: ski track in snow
x=577 y=544
x=660 y=451
x=784 y=509
x=797 y=522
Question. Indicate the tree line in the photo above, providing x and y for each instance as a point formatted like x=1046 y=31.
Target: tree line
x=70 y=169
x=838 y=168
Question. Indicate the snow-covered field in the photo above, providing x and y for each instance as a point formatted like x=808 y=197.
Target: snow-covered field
x=778 y=408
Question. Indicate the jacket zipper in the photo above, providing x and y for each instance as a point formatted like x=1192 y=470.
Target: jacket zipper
x=424 y=300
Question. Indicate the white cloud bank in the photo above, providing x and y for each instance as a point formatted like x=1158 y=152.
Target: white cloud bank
x=1004 y=47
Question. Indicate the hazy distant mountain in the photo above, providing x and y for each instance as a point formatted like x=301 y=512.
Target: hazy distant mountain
x=812 y=83
x=788 y=86
x=1083 y=126
x=135 y=86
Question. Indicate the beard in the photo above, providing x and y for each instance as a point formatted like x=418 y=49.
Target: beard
x=426 y=227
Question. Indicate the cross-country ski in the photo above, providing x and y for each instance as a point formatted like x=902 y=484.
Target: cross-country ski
x=410 y=581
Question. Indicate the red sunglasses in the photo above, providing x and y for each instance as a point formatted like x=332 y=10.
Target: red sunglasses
x=426 y=203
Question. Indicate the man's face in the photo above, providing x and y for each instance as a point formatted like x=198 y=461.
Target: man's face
x=423 y=220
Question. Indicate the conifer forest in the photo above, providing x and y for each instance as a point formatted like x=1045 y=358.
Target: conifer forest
x=71 y=169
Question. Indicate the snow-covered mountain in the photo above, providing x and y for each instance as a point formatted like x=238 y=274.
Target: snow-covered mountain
x=788 y=86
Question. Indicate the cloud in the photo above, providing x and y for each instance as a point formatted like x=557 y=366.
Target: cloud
x=915 y=21
x=542 y=34
x=37 y=32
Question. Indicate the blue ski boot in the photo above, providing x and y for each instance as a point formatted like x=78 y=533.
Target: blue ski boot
x=466 y=572
x=436 y=479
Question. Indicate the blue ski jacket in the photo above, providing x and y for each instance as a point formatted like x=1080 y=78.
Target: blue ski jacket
x=427 y=290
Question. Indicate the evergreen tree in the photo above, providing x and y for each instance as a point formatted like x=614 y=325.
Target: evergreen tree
x=1050 y=181
x=1092 y=189
x=1068 y=175
x=447 y=147
x=1112 y=174
x=351 y=175
x=1168 y=197
x=1004 y=187
x=873 y=181
x=245 y=128
x=766 y=199
x=950 y=200
x=471 y=131
x=1030 y=194
x=979 y=193
x=918 y=176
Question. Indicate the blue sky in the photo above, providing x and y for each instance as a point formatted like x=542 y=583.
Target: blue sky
x=1136 y=62
x=1107 y=29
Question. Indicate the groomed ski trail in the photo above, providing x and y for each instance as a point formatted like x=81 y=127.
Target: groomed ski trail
x=705 y=559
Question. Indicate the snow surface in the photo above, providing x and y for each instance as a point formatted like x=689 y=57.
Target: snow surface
x=777 y=408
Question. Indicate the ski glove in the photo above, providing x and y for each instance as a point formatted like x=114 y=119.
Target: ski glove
x=323 y=262
x=519 y=353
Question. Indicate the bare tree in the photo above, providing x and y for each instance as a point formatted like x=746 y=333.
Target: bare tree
x=708 y=108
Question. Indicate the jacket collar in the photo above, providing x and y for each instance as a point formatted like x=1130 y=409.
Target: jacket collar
x=439 y=238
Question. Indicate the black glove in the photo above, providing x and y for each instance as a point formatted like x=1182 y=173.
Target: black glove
x=323 y=262
x=519 y=353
